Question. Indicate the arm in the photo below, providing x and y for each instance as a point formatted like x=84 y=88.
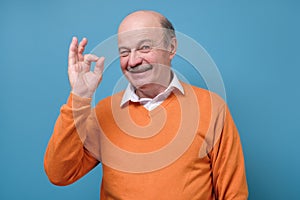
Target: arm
x=66 y=159
x=229 y=176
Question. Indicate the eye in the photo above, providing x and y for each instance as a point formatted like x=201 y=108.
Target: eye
x=124 y=53
x=145 y=48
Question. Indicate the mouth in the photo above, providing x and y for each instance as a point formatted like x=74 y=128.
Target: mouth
x=139 y=69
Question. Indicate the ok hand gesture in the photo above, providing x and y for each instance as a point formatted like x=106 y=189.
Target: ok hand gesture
x=84 y=82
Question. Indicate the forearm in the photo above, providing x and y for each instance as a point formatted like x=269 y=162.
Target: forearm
x=66 y=160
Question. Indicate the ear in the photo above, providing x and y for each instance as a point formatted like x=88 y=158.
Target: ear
x=173 y=47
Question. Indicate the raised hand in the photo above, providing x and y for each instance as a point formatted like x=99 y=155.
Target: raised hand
x=84 y=82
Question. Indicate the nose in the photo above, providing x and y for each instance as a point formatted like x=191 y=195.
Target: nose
x=134 y=58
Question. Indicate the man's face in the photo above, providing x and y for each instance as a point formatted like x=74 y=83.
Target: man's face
x=144 y=58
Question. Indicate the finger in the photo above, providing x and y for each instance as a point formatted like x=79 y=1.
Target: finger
x=73 y=51
x=99 y=66
x=88 y=59
x=81 y=48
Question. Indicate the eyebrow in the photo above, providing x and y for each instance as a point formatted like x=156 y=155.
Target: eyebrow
x=138 y=44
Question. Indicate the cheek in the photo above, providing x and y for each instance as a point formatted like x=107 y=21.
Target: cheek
x=158 y=57
x=123 y=63
x=150 y=58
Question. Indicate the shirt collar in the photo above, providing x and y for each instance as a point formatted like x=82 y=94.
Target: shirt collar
x=130 y=95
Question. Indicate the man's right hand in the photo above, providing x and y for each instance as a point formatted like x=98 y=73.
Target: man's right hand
x=84 y=82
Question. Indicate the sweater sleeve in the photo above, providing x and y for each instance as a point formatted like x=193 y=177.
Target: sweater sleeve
x=229 y=176
x=66 y=159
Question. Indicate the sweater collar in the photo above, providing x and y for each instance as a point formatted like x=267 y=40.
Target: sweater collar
x=130 y=95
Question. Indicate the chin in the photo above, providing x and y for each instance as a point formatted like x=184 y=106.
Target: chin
x=140 y=81
x=139 y=85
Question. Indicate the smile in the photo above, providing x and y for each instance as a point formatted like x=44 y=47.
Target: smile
x=139 y=69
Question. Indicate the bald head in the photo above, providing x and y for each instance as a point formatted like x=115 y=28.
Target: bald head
x=141 y=19
x=147 y=19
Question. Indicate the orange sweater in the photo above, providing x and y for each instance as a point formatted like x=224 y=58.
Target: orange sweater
x=187 y=148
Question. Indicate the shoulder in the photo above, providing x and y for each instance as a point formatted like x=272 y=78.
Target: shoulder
x=204 y=96
x=109 y=101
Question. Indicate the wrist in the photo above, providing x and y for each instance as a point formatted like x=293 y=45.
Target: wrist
x=82 y=93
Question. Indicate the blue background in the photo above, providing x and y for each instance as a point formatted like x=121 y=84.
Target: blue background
x=255 y=45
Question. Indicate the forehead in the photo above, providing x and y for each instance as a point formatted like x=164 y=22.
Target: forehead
x=134 y=37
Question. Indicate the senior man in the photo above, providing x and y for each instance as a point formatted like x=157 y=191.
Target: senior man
x=161 y=138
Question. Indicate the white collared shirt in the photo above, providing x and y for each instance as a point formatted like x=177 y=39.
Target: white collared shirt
x=148 y=103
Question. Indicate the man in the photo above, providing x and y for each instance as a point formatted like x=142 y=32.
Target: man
x=159 y=139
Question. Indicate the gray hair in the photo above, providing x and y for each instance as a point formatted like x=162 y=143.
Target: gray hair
x=169 y=30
